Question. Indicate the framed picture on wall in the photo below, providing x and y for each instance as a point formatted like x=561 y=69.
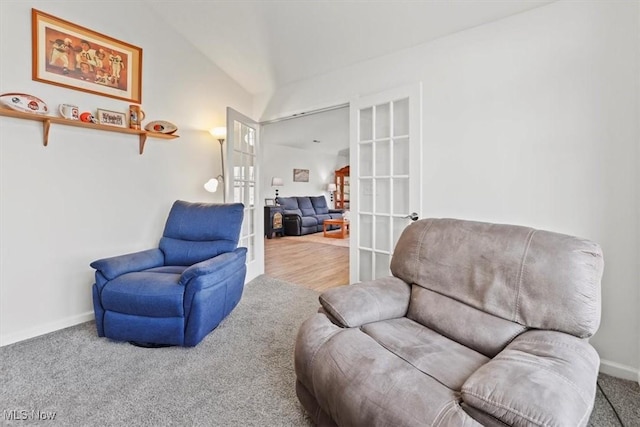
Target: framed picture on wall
x=68 y=55
x=269 y=202
x=301 y=175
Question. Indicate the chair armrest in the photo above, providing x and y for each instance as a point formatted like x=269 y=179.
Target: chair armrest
x=541 y=377
x=121 y=264
x=355 y=305
x=216 y=268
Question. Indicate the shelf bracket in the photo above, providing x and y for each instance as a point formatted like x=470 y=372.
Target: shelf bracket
x=46 y=125
x=143 y=139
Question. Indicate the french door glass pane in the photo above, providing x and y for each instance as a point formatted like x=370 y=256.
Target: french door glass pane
x=383 y=158
x=382 y=224
x=383 y=121
x=401 y=156
x=401 y=117
x=366 y=159
x=366 y=124
x=400 y=203
x=365 y=229
x=366 y=265
x=365 y=195
x=382 y=265
x=382 y=195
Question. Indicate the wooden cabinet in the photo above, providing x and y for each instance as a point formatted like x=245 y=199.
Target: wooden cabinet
x=342 y=188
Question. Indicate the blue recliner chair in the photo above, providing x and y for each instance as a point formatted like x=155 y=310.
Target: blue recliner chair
x=175 y=294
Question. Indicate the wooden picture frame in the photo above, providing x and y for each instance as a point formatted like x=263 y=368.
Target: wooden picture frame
x=111 y=118
x=301 y=175
x=68 y=55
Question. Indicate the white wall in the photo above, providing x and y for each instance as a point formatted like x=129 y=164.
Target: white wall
x=530 y=120
x=89 y=194
x=280 y=161
x=289 y=144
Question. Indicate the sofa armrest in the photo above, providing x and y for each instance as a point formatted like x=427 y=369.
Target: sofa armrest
x=336 y=210
x=355 y=305
x=214 y=266
x=122 y=264
x=540 y=378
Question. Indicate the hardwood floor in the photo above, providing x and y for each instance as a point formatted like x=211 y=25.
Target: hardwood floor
x=316 y=266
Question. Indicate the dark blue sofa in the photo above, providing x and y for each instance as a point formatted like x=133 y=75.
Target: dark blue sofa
x=305 y=215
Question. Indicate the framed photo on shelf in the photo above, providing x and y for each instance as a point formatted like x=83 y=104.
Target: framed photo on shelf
x=269 y=202
x=112 y=118
x=68 y=55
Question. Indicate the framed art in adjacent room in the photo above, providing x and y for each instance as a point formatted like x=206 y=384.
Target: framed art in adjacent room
x=269 y=202
x=301 y=175
x=68 y=55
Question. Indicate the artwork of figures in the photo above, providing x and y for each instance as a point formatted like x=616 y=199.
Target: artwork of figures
x=68 y=55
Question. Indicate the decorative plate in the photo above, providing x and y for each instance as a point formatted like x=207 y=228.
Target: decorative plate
x=161 y=126
x=24 y=102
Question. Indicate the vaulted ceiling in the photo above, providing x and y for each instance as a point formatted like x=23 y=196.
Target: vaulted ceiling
x=267 y=44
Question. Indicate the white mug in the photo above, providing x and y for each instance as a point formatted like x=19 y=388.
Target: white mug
x=69 y=111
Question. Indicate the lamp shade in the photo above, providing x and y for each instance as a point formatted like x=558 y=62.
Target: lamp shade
x=331 y=187
x=211 y=186
x=277 y=182
x=219 y=133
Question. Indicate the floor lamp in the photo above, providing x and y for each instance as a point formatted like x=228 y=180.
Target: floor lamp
x=212 y=185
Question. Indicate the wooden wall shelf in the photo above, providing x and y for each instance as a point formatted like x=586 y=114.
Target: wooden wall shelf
x=48 y=120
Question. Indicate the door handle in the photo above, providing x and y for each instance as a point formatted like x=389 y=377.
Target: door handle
x=413 y=216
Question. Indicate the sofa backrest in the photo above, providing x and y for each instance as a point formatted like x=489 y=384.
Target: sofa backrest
x=482 y=283
x=195 y=232
x=289 y=204
x=319 y=205
x=304 y=203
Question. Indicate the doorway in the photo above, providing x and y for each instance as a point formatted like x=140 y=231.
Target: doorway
x=385 y=153
x=319 y=143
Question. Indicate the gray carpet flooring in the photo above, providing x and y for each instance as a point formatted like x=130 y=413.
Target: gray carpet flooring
x=240 y=375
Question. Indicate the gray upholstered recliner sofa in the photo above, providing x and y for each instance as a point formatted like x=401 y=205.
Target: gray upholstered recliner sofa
x=480 y=324
x=305 y=215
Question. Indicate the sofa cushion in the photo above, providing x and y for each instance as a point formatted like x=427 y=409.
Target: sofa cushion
x=469 y=326
x=536 y=278
x=447 y=361
x=543 y=378
x=304 y=203
x=358 y=382
x=319 y=204
x=289 y=205
x=309 y=221
x=145 y=293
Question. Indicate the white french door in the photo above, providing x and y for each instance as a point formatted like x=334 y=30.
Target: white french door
x=385 y=156
x=242 y=172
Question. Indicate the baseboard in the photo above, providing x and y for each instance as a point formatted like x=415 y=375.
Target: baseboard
x=619 y=370
x=45 y=328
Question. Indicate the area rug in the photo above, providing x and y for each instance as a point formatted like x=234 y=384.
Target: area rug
x=239 y=375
